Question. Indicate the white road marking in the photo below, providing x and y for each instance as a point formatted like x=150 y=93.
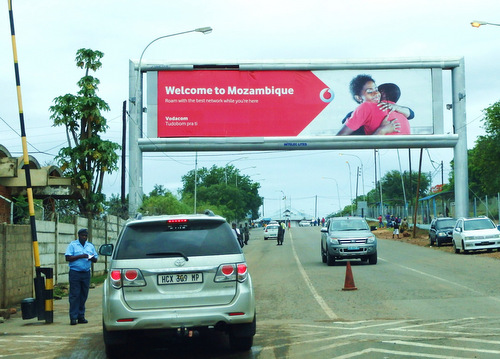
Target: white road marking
x=329 y=313
x=395 y=352
x=424 y=345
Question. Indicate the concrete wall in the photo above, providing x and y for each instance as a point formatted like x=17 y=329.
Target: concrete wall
x=17 y=268
x=16 y=264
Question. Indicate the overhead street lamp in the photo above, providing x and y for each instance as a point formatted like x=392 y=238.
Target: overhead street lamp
x=225 y=167
x=477 y=23
x=203 y=30
x=253 y=174
x=135 y=128
x=350 y=183
x=362 y=172
x=338 y=194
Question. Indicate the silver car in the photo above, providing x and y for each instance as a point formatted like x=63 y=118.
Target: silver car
x=182 y=275
x=347 y=238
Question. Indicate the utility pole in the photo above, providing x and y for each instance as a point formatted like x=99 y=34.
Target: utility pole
x=124 y=145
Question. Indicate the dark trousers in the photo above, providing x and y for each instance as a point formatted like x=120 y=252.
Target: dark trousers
x=79 y=283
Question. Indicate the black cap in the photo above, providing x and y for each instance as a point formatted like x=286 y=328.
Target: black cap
x=83 y=231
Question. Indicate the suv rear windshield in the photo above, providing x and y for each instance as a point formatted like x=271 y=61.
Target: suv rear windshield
x=161 y=239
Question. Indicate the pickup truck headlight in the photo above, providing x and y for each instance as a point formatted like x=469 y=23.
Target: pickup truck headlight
x=334 y=240
x=371 y=239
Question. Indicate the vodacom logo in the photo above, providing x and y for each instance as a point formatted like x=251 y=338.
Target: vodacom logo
x=326 y=95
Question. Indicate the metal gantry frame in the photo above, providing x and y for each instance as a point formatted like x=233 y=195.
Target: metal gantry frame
x=458 y=140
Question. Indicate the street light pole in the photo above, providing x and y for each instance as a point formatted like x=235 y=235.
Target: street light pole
x=350 y=183
x=135 y=128
x=225 y=168
x=477 y=23
x=246 y=168
x=195 y=179
x=283 y=199
x=338 y=193
x=362 y=171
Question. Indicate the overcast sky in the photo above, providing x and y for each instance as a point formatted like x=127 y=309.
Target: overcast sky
x=49 y=33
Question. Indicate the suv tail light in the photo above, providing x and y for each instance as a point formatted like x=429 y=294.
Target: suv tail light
x=126 y=278
x=232 y=272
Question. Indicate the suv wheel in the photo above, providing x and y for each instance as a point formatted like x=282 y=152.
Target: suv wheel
x=240 y=343
x=457 y=250
x=241 y=335
x=373 y=258
x=330 y=260
x=323 y=255
x=114 y=343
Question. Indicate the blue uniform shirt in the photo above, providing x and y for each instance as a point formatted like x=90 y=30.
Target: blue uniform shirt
x=75 y=248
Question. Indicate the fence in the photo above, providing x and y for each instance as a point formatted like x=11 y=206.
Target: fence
x=17 y=268
x=428 y=209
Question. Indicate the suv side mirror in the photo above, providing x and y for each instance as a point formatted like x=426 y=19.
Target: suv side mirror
x=106 y=249
x=324 y=229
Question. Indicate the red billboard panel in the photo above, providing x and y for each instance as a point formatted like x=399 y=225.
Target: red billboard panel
x=291 y=103
x=238 y=103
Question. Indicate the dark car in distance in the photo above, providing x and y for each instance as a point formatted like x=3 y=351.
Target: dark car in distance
x=441 y=230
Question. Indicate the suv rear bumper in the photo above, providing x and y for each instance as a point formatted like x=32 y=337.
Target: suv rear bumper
x=117 y=315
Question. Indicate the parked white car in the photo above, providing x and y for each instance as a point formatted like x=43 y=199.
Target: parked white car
x=471 y=234
x=305 y=223
x=271 y=231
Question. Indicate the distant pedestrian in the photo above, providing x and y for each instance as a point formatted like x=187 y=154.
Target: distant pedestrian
x=238 y=235
x=80 y=254
x=395 y=231
x=246 y=234
x=281 y=233
x=380 y=221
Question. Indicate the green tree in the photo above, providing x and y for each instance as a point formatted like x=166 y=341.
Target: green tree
x=484 y=157
x=88 y=157
x=224 y=191
x=21 y=213
x=392 y=188
x=160 y=201
x=115 y=207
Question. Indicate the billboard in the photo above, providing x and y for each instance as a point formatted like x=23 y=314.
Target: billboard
x=290 y=103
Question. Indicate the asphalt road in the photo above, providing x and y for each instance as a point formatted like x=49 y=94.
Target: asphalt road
x=414 y=303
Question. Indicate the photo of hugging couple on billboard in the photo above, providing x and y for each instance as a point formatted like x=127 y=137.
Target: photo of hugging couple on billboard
x=377 y=113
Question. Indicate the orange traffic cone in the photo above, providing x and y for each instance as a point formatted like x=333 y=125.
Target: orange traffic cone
x=349 y=281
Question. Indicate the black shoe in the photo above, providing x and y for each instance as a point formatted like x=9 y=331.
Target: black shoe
x=82 y=321
x=72 y=322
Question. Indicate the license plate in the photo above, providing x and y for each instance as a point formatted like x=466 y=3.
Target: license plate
x=181 y=278
x=353 y=248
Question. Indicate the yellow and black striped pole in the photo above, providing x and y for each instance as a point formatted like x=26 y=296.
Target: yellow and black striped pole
x=45 y=307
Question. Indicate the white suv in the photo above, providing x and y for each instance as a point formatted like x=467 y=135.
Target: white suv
x=181 y=275
x=471 y=234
